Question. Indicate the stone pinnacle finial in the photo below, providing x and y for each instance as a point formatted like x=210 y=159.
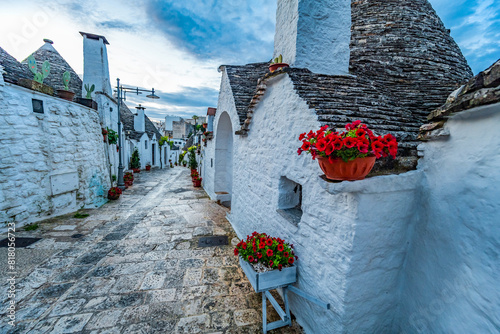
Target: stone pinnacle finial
x=46 y=40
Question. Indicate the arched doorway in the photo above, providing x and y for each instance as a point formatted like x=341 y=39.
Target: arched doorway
x=224 y=160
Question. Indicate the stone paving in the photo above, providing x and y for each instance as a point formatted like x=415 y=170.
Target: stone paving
x=134 y=266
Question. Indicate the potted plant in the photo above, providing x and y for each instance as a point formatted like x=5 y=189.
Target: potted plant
x=205 y=125
x=66 y=93
x=114 y=193
x=37 y=82
x=194 y=173
x=184 y=163
x=277 y=64
x=349 y=155
x=193 y=164
x=87 y=101
x=268 y=262
x=112 y=136
x=170 y=162
x=128 y=178
x=135 y=161
x=197 y=181
x=148 y=166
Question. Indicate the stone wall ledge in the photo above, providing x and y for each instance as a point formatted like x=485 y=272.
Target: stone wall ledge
x=374 y=185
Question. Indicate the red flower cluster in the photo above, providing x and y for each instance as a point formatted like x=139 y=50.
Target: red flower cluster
x=356 y=142
x=128 y=176
x=114 y=191
x=271 y=252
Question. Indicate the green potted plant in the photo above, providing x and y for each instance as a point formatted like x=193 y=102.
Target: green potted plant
x=66 y=93
x=37 y=82
x=193 y=164
x=277 y=63
x=128 y=178
x=114 y=193
x=87 y=101
x=135 y=161
x=197 y=181
x=349 y=155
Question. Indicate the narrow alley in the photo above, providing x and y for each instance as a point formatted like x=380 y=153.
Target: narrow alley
x=134 y=266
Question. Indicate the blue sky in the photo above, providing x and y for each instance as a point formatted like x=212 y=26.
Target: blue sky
x=176 y=46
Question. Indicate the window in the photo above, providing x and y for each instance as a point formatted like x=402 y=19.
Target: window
x=290 y=200
x=37 y=106
x=146 y=144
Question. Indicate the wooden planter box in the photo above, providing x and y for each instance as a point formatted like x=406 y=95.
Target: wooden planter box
x=34 y=85
x=270 y=279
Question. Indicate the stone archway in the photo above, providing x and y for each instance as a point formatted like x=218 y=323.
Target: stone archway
x=224 y=160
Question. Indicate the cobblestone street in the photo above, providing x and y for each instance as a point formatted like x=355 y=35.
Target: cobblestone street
x=134 y=266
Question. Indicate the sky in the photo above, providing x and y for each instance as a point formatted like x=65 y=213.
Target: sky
x=177 y=46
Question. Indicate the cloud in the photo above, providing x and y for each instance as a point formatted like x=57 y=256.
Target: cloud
x=115 y=24
x=226 y=30
x=475 y=26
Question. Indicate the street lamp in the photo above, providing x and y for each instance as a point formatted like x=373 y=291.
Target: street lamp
x=121 y=92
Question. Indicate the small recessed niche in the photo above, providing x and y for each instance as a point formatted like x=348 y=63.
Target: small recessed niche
x=290 y=200
x=37 y=106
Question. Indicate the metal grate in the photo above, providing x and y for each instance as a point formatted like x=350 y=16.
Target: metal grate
x=20 y=242
x=218 y=240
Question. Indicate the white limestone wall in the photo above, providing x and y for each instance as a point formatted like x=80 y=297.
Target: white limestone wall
x=314 y=34
x=452 y=273
x=51 y=163
x=225 y=104
x=352 y=237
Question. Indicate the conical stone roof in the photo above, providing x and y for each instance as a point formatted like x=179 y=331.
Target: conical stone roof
x=13 y=70
x=58 y=66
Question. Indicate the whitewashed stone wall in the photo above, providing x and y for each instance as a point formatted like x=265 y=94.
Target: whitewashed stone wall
x=452 y=276
x=301 y=28
x=51 y=163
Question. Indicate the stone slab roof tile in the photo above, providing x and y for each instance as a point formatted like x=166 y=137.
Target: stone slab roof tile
x=13 y=70
x=243 y=80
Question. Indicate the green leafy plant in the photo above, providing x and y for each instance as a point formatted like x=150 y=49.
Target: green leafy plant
x=112 y=136
x=39 y=76
x=277 y=60
x=89 y=90
x=193 y=164
x=135 y=161
x=66 y=79
x=31 y=227
x=113 y=177
x=81 y=215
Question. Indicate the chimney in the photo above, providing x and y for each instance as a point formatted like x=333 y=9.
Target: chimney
x=139 y=121
x=314 y=34
x=95 y=64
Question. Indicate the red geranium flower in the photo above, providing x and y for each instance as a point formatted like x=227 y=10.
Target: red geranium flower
x=280 y=267
x=291 y=260
x=285 y=254
x=321 y=145
x=244 y=245
x=302 y=136
x=236 y=252
x=269 y=242
x=269 y=252
x=271 y=263
x=262 y=244
x=350 y=142
x=259 y=255
x=281 y=247
x=329 y=149
x=306 y=146
x=250 y=258
x=362 y=147
x=360 y=132
x=337 y=144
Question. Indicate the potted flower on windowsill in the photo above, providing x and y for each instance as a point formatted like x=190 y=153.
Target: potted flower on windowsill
x=268 y=262
x=349 y=155
x=114 y=193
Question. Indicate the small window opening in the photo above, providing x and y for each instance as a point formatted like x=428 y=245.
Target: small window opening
x=146 y=144
x=290 y=200
x=37 y=106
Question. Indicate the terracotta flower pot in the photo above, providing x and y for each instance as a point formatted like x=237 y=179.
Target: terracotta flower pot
x=197 y=183
x=352 y=170
x=128 y=183
x=113 y=197
x=136 y=170
x=148 y=168
x=65 y=94
x=274 y=67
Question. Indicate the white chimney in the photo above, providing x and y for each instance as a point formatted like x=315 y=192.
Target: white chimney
x=314 y=34
x=139 y=121
x=95 y=64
